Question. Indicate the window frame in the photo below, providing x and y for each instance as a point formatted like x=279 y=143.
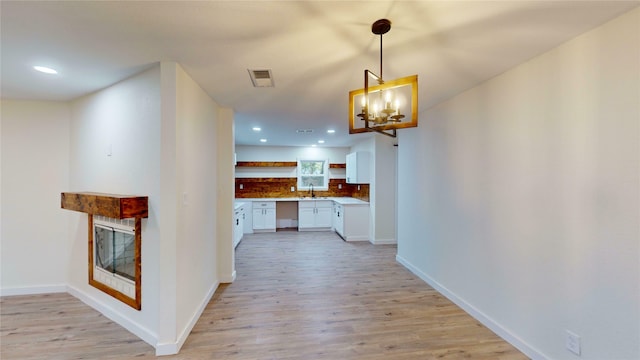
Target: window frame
x=325 y=175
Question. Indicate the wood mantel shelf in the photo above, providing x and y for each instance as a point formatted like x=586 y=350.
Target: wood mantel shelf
x=109 y=205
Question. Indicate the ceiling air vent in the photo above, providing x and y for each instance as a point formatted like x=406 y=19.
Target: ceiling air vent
x=304 y=131
x=261 y=78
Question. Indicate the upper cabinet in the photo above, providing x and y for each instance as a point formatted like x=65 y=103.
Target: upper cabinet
x=358 y=167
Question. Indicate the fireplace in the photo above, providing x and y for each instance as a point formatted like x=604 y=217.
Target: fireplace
x=114 y=253
x=114 y=241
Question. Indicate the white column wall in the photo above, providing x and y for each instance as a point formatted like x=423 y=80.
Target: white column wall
x=125 y=120
x=383 y=190
x=519 y=199
x=225 y=195
x=368 y=145
x=197 y=279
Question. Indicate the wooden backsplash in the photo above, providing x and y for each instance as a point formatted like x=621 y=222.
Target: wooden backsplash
x=281 y=188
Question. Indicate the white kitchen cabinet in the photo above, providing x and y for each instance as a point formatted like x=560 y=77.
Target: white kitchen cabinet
x=351 y=221
x=238 y=225
x=248 y=218
x=264 y=216
x=338 y=218
x=358 y=167
x=315 y=215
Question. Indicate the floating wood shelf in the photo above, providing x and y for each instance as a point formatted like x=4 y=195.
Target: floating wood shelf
x=109 y=205
x=280 y=164
x=267 y=163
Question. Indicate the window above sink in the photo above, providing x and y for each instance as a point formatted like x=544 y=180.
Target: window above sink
x=313 y=175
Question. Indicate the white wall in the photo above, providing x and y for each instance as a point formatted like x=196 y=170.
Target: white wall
x=197 y=115
x=156 y=134
x=225 y=195
x=383 y=190
x=126 y=118
x=35 y=170
x=527 y=213
x=336 y=155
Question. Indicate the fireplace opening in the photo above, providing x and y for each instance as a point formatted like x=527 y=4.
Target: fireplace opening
x=114 y=253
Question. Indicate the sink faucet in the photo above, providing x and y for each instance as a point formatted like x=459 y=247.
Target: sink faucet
x=311 y=189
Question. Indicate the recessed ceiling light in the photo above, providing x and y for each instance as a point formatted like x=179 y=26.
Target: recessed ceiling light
x=45 y=70
x=330 y=131
x=256 y=128
x=263 y=140
x=313 y=145
x=320 y=141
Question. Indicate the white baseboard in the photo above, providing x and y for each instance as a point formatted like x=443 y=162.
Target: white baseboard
x=174 y=348
x=384 y=242
x=33 y=290
x=475 y=313
x=138 y=330
x=356 y=238
x=229 y=278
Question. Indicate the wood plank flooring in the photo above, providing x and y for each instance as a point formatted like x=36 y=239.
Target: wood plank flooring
x=297 y=296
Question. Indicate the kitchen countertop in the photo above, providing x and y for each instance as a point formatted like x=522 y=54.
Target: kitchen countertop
x=339 y=200
x=239 y=203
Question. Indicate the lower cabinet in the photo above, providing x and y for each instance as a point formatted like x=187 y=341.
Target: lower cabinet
x=264 y=216
x=315 y=215
x=338 y=218
x=351 y=221
x=238 y=225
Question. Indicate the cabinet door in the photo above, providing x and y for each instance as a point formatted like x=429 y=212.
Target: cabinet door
x=237 y=228
x=351 y=168
x=338 y=224
x=270 y=219
x=323 y=217
x=258 y=219
x=306 y=217
x=248 y=220
x=358 y=168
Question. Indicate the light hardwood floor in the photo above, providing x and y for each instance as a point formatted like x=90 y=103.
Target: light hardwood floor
x=297 y=296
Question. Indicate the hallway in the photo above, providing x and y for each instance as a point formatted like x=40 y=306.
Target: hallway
x=298 y=295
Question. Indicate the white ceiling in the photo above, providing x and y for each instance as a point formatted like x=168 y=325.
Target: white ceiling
x=317 y=50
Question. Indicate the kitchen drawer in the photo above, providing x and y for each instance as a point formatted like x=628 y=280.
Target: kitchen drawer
x=324 y=203
x=307 y=204
x=264 y=204
x=315 y=204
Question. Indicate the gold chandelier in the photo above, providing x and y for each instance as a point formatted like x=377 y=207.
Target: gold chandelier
x=383 y=107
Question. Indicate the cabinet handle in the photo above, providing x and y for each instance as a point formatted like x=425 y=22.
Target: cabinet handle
x=237 y=221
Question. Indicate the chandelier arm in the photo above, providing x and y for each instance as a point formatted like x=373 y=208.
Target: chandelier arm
x=393 y=133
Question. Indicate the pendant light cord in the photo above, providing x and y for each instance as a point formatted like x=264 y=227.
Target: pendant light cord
x=381 y=81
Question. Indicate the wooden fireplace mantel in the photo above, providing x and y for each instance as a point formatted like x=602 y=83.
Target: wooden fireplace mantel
x=109 y=205
x=115 y=207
